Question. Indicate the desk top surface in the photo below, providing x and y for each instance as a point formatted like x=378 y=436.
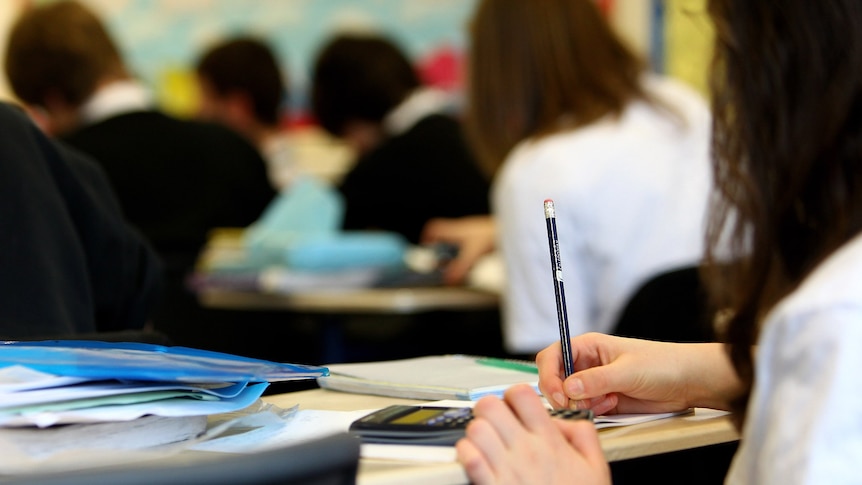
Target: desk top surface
x=702 y=428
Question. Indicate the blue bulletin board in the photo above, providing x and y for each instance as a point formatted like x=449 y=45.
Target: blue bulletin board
x=161 y=39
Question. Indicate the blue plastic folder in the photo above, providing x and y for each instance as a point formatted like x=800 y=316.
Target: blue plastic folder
x=146 y=362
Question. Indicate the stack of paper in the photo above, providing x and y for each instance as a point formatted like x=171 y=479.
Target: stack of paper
x=73 y=395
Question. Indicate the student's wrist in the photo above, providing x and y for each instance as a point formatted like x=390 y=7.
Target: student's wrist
x=711 y=381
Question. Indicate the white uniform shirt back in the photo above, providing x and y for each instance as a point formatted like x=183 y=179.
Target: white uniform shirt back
x=804 y=418
x=631 y=196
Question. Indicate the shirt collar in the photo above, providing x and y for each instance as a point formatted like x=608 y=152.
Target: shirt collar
x=419 y=104
x=115 y=98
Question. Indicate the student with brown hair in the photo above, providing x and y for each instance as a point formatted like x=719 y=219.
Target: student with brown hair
x=175 y=179
x=785 y=261
x=413 y=163
x=559 y=108
x=242 y=87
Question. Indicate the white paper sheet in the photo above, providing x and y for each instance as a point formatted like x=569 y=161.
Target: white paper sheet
x=304 y=425
x=16 y=378
x=16 y=460
x=126 y=412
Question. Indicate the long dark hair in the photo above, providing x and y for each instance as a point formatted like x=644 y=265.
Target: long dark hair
x=787 y=106
x=540 y=66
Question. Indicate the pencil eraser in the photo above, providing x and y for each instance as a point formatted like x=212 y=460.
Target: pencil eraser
x=549 y=208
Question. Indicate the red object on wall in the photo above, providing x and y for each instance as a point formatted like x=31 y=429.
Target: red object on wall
x=441 y=68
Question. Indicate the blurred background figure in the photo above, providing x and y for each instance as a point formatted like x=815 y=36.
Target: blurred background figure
x=242 y=87
x=560 y=108
x=412 y=160
x=175 y=180
x=72 y=267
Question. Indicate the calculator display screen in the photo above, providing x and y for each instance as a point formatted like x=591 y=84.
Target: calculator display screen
x=417 y=417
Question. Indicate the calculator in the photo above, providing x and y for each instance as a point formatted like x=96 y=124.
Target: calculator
x=428 y=425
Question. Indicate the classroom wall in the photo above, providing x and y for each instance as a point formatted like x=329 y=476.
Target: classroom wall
x=162 y=38
x=8 y=11
x=688 y=38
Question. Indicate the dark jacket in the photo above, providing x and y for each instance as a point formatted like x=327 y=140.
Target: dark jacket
x=176 y=180
x=69 y=263
x=426 y=172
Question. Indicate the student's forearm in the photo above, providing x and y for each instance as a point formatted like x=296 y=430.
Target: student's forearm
x=711 y=379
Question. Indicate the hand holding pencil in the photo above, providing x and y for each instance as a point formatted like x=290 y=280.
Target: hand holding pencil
x=614 y=374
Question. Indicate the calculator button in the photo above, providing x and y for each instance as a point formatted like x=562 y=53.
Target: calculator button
x=456 y=413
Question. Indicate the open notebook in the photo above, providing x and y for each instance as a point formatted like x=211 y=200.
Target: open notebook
x=434 y=377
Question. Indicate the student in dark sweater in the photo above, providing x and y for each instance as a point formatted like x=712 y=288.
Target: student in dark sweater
x=413 y=162
x=175 y=180
x=69 y=263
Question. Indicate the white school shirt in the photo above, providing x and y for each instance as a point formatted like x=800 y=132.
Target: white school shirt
x=804 y=419
x=630 y=194
x=282 y=167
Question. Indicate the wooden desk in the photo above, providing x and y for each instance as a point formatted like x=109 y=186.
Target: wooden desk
x=225 y=244
x=703 y=428
x=329 y=307
x=673 y=434
x=365 y=300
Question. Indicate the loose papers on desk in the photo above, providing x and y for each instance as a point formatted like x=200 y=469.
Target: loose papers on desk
x=142 y=395
x=433 y=377
x=309 y=424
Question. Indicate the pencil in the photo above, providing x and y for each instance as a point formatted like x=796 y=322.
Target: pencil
x=559 y=292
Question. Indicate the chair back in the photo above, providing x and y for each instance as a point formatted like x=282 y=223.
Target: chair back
x=672 y=306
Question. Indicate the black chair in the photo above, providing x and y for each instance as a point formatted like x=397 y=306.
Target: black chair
x=672 y=306
x=328 y=461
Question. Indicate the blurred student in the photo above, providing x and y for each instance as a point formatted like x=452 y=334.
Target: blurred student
x=787 y=90
x=559 y=108
x=242 y=87
x=175 y=180
x=413 y=163
x=70 y=263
